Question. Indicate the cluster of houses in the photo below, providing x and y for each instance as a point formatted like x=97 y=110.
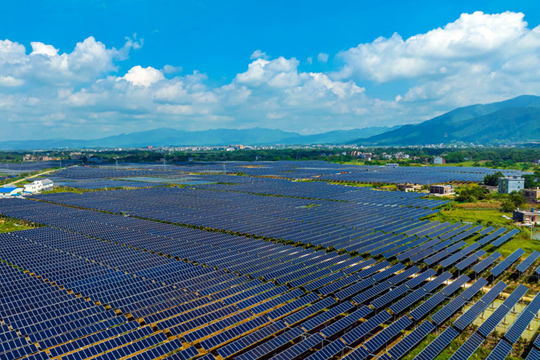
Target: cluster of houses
x=517 y=183
x=35 y=187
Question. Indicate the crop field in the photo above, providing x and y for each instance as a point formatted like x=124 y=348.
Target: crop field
x=251 y=264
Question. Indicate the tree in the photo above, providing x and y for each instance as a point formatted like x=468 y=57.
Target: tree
x=531 y=181
x=472 y=194
x=517 y=199
x=508 y=206
x=493 y=179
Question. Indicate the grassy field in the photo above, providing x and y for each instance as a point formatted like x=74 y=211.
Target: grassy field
x=484 y=213
x=488 y=214
x=63 y=189
x=522 y=240
x=8 y=226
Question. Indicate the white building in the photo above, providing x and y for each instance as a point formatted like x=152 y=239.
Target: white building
x=38 y=186
x=510 y=184
x=8 y=192
x=439 y=160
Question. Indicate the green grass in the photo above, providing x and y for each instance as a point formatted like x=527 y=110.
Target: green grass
x=63 y=189
x=522 y=240
x=488 y=217
x=479 y=354
x=460 y=164
x=483 y=216
x=9 y=226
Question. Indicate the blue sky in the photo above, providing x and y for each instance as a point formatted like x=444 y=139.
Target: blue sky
x=94 y=68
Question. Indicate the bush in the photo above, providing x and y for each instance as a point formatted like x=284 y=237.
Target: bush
x=472 y=194
x=508 y=206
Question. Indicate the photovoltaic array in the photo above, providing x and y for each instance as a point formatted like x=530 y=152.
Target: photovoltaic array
x=266 y=268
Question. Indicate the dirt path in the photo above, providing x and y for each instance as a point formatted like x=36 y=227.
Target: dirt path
x=32 y=176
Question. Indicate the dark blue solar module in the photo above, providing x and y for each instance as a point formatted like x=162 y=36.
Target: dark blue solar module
x=300 y=348
x=411 y=340
x=487 y=239
x=362 y=330
x=506 y=263
x=466 y=350
x=221 y=267
x=468 y=317
x=500 y=351
x=386 y=335
x=505 y=238
x=482 y=265
x=498 y=315
x=438 y=345
x=345 y=322
x=522 y=322
x=525 y=264
x=534 y=354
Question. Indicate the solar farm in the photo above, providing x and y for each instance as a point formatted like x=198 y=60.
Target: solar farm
x=251 y=261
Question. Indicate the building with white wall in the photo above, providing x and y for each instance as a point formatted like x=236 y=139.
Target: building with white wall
x=38 y=186
x=9 y=191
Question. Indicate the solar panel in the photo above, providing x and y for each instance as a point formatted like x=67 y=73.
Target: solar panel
x=455 y=285
x=485 y=240
x=408 y=301
x=497 y=316
x=272 y=345
x=431 y=351
x=468 y=347
x=468 y=317
x=359 y=353
x=309 y=311
x=326 y=316
x=506 y=263
x=534 y=354
x=414 y=282
x=472 y=290
x=438 y=281
x=482 y=265
x=250 y=339
x=371 y=293
x=411 y=340
x=471 y=259
x=345 y=322
x=487 y=230
x=519 y=326
x=182 y=262
x=300 y=348
x=328 y=351
x=386 y=335
x=525 y=264
x=505 y=238
x=450 y=309
x=292 y=306
x=365 y=328
x=458 y=302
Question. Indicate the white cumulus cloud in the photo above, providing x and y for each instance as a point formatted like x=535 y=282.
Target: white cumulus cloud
x=477 y=58
x=322 y=57
x=39 y=48
x=471 y=38
x=140 y=76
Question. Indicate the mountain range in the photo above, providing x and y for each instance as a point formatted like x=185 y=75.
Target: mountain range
x=214 y=137
x=512 y=121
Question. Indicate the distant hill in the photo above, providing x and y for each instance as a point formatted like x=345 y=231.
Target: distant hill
x=214 y=137
x=515 y=120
